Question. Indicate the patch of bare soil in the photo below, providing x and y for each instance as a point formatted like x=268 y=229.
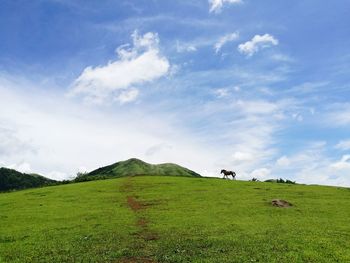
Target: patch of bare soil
x=280 y=203
x=137 y=205
x=134 y=204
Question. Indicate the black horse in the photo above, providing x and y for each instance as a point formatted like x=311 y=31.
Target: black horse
x=227 y=173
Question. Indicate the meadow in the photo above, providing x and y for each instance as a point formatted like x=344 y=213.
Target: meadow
x=175 y=219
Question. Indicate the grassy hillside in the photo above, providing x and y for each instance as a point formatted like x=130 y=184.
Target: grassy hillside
x=13 y=180
x=175 y=219
x=135 y=166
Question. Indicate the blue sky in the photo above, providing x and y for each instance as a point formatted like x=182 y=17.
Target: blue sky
x=259 y=87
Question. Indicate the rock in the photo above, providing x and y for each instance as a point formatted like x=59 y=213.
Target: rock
x=280 y=203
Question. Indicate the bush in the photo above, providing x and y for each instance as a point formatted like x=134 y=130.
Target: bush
x=280 y=181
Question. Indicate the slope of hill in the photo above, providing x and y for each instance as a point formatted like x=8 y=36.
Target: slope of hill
x=13 y=180
x=175 y=219
x=135 y=166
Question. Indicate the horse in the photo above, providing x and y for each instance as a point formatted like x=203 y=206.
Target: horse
x=227 y=173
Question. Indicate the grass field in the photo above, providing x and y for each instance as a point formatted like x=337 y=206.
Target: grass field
x=173 y=219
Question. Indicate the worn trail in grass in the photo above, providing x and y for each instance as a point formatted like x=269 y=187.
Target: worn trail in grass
x=172 y=219
x=144 y=234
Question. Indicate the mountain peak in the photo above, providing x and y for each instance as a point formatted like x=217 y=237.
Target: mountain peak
x=133 y=160
x=134 y=166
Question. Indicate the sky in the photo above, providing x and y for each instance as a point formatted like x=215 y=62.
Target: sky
x=258 y=87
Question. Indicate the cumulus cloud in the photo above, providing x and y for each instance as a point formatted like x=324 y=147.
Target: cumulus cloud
x=217 y=5
x=225 y=39
x=136 y=64
x=257 y=43
x=127 y=95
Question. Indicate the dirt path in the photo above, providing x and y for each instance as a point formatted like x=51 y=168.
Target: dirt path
x=144 y=234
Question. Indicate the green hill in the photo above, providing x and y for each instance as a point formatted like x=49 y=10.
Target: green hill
x=135 y=166
x=13 y=180
x=175 y=219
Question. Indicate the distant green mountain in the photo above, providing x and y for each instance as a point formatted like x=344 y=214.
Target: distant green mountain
x=134 y=167
x=13 y=180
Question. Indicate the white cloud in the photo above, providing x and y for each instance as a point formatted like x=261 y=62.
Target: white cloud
x=22 y=167
x=257 y=106
x=217 y=5
x=282 y=58
x=257 y=43
x=136 y=65
x=222 y=92
x=339 y=115
x=225 y=39
x=242 y=157
x=56 y=175
x=127 y=95
x=298 y=117
x=226 y=92
x=343 y=145
x=309 y=87
x=182 y=47
x=284 y=161
x=343 y=164
x=158 y=148
x=10 y=141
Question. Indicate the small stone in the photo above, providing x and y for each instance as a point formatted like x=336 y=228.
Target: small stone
x=281 y=203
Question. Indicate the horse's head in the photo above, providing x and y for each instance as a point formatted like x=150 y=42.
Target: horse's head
x=223 y=171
